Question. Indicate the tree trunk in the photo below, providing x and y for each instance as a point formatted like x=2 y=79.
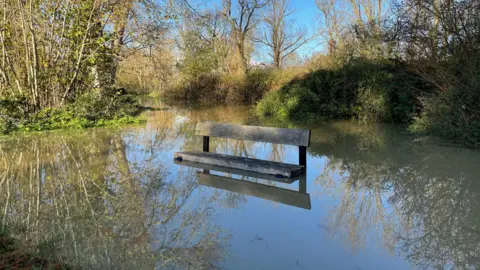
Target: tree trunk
x=434 y=30
x=243 y=56
x=277 y=58
x=120 y=26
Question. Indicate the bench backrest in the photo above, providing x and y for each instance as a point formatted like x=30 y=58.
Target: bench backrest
x=298 y=137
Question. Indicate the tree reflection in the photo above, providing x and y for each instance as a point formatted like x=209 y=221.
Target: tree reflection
x=110 y=199
x=423 y=198
x=78 y=199
x=441 y=217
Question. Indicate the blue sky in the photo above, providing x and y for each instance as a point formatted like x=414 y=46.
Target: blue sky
x=306 y=17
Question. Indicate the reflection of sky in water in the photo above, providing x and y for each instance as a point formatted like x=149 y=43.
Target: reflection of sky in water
x=291 y=237
x=365 y=184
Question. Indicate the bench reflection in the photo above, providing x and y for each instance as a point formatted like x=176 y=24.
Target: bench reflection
x=297 y=198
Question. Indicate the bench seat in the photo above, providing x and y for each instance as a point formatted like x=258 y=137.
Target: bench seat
x=227 y=170
x=242 y=163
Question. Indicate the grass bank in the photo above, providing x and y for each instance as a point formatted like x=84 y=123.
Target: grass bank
x=366 y=90
x=95 y=109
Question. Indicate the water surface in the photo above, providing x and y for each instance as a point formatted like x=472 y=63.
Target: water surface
x=114 y=199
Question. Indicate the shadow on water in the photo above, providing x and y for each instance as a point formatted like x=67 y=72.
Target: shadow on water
x=113 y=198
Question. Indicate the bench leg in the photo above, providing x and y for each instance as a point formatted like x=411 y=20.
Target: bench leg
x=302 y=155
x=206 y=144
x=206 y=148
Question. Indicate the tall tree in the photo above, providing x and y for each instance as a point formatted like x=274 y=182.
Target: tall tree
x=138 y=24
x=204 y=43
x=334 y=20
x=53 y=51
x=366 y=37
x=120 y=18
x=47 y=48
x=243 y=21
x=280 y=35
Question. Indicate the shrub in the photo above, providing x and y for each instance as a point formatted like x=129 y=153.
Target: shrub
x=247 y=88
x=96 y=108
x=106 y=104
x=370 y=91
x=11 y=112
x=202 y=89
x=454 y=113
x=298 y=103
x=386 y=95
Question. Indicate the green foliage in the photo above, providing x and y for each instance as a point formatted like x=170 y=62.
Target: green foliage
x=11 y=111
x=364 y=89
x=200 y=57
x=295 y=102
x=48 y=69
x=106 y=104
x=387 y=94
x=94 y=109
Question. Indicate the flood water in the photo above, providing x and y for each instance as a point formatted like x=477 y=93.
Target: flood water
x=114 y=199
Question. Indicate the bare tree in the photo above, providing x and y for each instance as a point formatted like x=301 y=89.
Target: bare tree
x=242 y=23
x=280 y=35
x=367 y=9
x=334 y=20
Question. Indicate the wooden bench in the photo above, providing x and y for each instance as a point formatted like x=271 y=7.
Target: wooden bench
x=297 y=137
